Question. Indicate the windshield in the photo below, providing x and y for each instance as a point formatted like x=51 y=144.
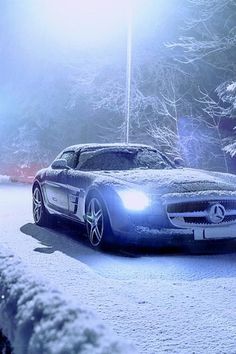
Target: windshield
x=105 y=159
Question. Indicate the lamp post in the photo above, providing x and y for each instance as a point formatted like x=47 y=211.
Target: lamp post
x=128 y=70
x=89 y=21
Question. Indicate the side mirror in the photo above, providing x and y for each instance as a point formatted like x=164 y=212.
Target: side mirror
x=60 y=164
x=179 y=162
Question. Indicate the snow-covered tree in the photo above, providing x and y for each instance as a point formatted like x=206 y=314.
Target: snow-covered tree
x=207 y=46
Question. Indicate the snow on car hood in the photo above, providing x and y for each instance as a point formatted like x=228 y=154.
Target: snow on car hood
x=175 y=180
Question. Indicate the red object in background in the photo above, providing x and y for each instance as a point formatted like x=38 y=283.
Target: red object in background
x=23 y=174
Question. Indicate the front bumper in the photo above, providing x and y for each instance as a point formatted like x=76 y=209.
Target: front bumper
x=154 y=225
x=144 y=235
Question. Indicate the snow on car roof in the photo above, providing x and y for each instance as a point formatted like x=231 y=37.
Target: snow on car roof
x=94 y=146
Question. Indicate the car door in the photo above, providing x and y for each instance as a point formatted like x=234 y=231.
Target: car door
x=56 y=185
x=78 y=184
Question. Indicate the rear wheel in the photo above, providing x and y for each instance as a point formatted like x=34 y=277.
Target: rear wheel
x=97 y=223
x=40 y=214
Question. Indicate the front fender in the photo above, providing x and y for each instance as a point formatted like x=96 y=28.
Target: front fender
x=118 y=215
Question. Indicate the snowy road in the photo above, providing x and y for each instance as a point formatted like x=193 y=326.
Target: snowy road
x=169 y=303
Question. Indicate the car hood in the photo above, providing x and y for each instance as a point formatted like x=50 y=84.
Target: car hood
x=174 y=180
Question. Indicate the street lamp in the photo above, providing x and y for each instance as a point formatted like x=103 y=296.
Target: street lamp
x=90 y=23
x=128 y=70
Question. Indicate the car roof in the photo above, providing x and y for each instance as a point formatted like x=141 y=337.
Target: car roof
x=92 y=146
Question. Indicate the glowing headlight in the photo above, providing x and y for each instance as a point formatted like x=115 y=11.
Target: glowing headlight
x=134 y=200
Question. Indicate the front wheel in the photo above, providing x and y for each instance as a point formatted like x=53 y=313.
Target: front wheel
x=97 y=223
x=40 y=214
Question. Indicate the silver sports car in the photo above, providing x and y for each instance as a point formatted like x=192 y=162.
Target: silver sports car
x=134 y=194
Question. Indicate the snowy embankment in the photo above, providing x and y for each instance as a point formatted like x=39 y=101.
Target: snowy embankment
x=36 y=318
x=5 y=179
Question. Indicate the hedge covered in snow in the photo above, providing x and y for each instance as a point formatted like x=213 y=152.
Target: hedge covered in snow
x=36 y=318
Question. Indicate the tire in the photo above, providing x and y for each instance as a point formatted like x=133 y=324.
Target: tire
x=40 y=214
x=98 y=225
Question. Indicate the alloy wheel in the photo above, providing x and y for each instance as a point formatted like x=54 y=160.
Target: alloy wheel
x=95 y=222
x=37 y=205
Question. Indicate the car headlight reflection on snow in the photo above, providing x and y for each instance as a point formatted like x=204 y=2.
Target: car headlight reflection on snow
x=134 y=200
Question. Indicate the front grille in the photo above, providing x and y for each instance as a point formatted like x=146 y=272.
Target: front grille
x=196 y=220
x=196 y=213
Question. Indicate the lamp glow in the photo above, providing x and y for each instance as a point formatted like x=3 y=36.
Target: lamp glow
x=84 y=21
x=134 y=200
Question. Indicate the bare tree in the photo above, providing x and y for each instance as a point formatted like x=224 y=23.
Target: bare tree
x=209 y=41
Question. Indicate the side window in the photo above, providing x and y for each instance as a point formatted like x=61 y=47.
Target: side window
x=70 y=157
x=83 y=158
x=91 y=164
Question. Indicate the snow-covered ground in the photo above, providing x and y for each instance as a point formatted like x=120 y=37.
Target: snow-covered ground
x=37 y=318
x=162 y=303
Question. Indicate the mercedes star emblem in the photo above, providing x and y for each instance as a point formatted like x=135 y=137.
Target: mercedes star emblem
x=216 y=213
